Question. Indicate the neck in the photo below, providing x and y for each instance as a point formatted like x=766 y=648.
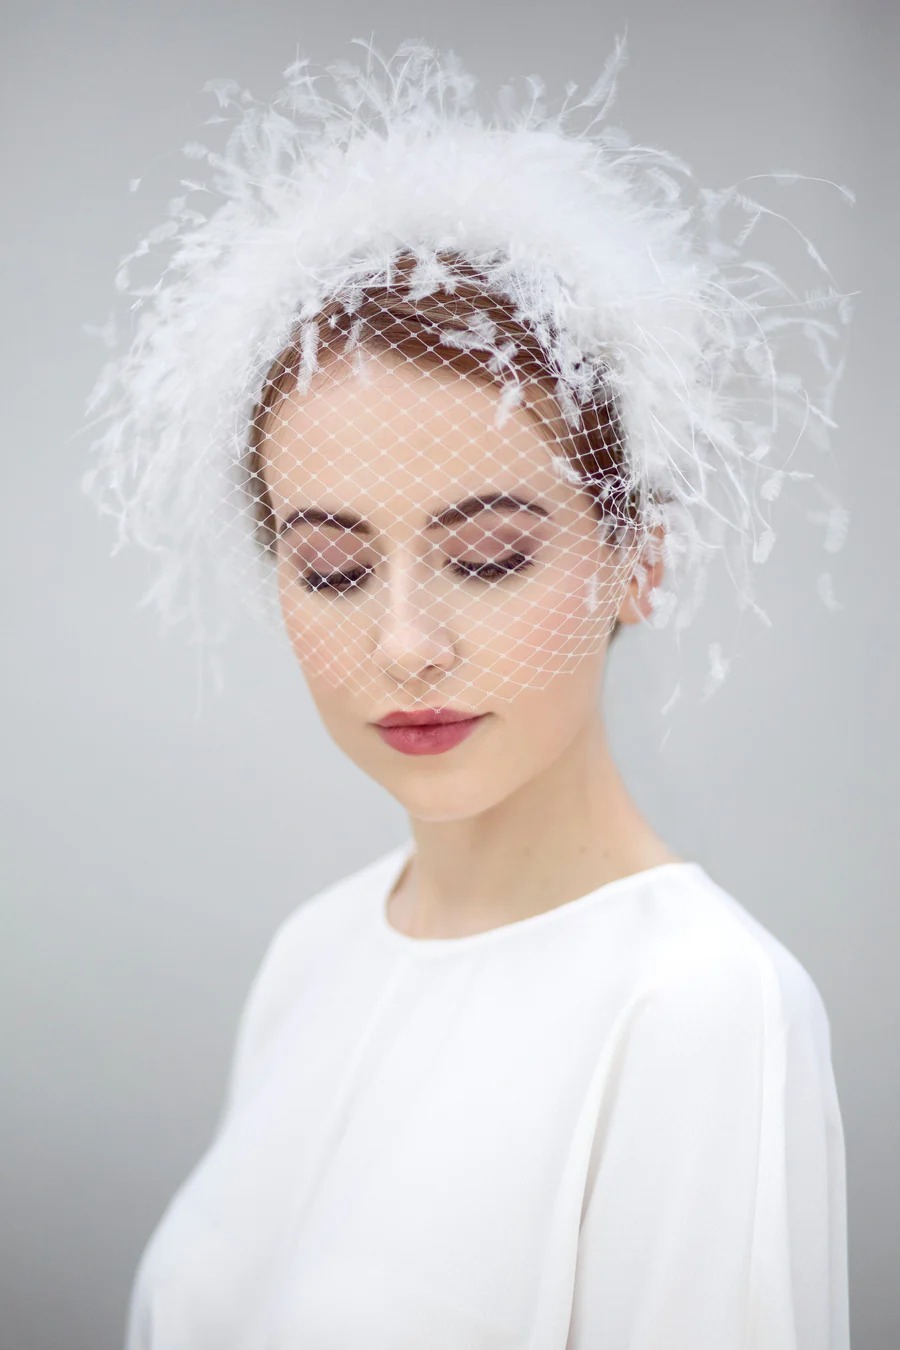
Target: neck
x=565 y=832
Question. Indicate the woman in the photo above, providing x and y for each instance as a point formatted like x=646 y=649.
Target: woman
x=529 y=1078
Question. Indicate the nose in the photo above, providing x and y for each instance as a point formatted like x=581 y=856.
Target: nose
x=411 y=637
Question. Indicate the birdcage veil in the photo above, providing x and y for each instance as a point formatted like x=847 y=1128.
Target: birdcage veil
x=377 y=301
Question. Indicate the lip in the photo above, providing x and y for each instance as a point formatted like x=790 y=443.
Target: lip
x=428 y=738
x=427 y=717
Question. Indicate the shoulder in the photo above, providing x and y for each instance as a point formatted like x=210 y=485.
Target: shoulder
x=328 y=912
x=319 y=922
x=326 y=915
x=717 y=964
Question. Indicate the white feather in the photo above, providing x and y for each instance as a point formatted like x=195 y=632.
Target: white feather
x=605 y=247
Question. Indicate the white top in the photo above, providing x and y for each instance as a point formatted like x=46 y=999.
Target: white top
x=609 y=1126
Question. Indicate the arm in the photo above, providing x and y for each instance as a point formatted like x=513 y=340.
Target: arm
x=715 y=1215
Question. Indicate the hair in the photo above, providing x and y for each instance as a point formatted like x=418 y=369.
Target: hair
x=384 y=317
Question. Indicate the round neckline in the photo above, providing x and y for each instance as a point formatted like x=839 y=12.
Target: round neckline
x=399 y=857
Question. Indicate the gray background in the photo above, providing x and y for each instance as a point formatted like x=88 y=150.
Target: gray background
x=151 y=852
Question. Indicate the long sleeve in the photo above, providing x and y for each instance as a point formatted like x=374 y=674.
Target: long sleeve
x=253 y=1015
x=260 y=1010
x=714 y=1215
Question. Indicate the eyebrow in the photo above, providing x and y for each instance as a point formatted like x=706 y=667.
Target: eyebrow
x=451 y=515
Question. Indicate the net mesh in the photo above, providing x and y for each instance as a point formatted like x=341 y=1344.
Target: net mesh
x=427 y=506
x=449 y=401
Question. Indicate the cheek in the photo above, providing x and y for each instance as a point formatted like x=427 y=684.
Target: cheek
x=546 y=632
x=323 y=662
x=326 y=646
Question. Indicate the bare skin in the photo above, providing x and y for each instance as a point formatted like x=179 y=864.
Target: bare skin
x=605 y=837
x=530 y=811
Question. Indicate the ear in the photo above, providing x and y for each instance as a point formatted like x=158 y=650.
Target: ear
x=647 y=575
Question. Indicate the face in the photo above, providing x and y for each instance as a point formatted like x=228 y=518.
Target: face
x=431 y=558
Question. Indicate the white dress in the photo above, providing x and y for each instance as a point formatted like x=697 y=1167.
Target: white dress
x=610 y=1126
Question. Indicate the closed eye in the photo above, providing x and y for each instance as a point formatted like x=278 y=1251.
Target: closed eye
x=485 y=571
x=492 y=571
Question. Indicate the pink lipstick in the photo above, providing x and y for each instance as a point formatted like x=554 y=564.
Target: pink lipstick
x=429 y=732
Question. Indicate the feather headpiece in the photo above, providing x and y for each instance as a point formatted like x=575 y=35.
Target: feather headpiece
x=626 y=275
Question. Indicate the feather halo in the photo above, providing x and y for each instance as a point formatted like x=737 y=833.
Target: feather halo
x=604 y=247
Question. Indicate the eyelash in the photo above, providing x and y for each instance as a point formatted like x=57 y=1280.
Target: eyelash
x=487 y=572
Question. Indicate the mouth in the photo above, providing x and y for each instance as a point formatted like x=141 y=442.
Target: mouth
x=428 y=717
x=428 y=733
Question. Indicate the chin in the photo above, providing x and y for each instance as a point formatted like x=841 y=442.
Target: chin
x=443 y=812
x=460 y=796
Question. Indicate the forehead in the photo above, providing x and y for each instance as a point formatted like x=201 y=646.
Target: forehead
x=401 y=430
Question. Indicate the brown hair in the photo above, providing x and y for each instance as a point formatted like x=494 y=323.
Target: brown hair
x=386 y=317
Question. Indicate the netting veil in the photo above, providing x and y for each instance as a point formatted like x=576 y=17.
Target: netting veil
x=424 y=385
